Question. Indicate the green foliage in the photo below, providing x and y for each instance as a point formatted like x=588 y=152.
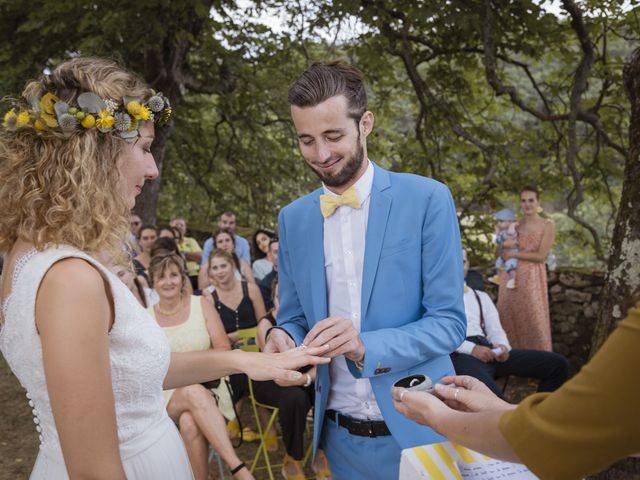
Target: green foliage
x=233 y=147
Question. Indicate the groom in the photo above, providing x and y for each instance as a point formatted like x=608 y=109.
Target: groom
x=369 y=265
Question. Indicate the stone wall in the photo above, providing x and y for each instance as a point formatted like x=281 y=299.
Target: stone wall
x=574 y=301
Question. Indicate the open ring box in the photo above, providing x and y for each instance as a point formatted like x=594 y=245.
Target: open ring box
x=415 y=383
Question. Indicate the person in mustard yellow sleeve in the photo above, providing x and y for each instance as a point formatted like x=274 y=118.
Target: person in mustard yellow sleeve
x=580 y=429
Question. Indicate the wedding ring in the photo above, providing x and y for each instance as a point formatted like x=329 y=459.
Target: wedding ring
x=402 y=394
x=455 y=395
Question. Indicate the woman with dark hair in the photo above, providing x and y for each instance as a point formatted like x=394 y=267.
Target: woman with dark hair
x=164 y=245
x=169 y=232
x=146 y=237
x=524 y=310
x=261 y=265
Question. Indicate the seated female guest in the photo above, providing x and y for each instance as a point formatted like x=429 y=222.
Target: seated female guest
x=167 y=231
x=261 y=265
x=73 y=158
x=191 y=324
x=225 y=240
x=240 y=305
x=580 y=429
x=146 y=238
x=132 y=282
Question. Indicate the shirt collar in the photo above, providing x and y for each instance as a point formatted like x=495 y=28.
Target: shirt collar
x=362 y=186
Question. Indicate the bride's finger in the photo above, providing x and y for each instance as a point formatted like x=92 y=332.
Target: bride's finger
x=310 y=351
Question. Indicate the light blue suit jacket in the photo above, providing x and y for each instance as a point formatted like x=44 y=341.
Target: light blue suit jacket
x=412 y=288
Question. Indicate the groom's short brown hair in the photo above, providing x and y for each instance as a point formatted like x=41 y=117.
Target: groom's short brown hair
x=322 y=81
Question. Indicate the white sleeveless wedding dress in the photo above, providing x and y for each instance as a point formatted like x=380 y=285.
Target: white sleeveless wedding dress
x=150 y=445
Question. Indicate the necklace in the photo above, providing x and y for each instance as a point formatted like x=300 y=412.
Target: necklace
x=170 y=312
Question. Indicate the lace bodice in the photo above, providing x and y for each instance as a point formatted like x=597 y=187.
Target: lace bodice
x=138 y=350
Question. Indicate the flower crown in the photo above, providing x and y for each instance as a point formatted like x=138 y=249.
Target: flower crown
x=91 y=111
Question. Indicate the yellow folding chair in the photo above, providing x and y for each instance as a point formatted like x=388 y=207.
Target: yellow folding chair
x=247 y=342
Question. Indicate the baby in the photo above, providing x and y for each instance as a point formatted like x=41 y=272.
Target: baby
x=506 y=230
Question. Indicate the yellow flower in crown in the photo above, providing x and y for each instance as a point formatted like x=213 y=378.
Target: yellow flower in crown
x=23 y=119
x=105 y=120
x=88 y=121
x=10 y=118
x=47 y=102
x=138 y=111
x=48 y=113
x=40 y=125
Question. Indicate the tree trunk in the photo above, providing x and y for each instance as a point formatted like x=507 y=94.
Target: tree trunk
x=623 y=277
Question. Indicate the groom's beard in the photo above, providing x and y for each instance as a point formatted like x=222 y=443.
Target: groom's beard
x=351 y=166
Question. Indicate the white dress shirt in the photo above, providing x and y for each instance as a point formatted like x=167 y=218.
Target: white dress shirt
x=344 y=244
x=492 y=327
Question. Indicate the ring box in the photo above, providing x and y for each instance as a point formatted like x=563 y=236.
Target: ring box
x=416 y=383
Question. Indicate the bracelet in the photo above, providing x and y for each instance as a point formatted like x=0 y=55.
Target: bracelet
x=308 y=382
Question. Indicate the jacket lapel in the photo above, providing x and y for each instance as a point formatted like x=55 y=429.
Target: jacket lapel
x=315 y=253
x=376 y=227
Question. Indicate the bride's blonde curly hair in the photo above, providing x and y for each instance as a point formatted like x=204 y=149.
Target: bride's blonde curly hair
x=65 y=189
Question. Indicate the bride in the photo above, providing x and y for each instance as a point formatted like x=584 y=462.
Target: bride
x=92 y=360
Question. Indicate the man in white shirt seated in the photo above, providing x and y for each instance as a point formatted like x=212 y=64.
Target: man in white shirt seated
x=487 y=355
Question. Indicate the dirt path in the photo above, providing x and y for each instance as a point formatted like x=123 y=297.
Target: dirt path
x=18 y=436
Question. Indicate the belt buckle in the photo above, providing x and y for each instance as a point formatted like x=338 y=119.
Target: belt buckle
x=370 y=428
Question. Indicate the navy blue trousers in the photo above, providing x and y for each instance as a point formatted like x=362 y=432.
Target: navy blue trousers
x=552 y=369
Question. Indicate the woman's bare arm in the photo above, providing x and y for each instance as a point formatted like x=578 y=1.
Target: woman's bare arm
x=219 y=340
x=247 y=273
x=263 y=326
x=257 y=301
x=74 y=325
x=197 y=367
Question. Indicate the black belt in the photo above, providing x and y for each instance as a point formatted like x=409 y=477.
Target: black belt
x=362 y=428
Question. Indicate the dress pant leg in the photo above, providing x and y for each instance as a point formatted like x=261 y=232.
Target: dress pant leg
x=552 y=369
x=353 y=457
x=469 y=365
x=239 y=386
x=294 y=404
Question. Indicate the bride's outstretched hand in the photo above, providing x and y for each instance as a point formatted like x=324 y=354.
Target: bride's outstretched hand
x=468 y=394
x=282 y=366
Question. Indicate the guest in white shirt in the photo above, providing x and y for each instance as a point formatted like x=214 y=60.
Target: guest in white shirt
x=487 y=355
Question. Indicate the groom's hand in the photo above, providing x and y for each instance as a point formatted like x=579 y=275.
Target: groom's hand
x=278 y=341
x=339 y=334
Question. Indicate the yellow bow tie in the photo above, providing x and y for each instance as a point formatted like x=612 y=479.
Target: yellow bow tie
x=330 y=203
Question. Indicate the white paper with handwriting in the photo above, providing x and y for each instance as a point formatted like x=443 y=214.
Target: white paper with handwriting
x=448 y=461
